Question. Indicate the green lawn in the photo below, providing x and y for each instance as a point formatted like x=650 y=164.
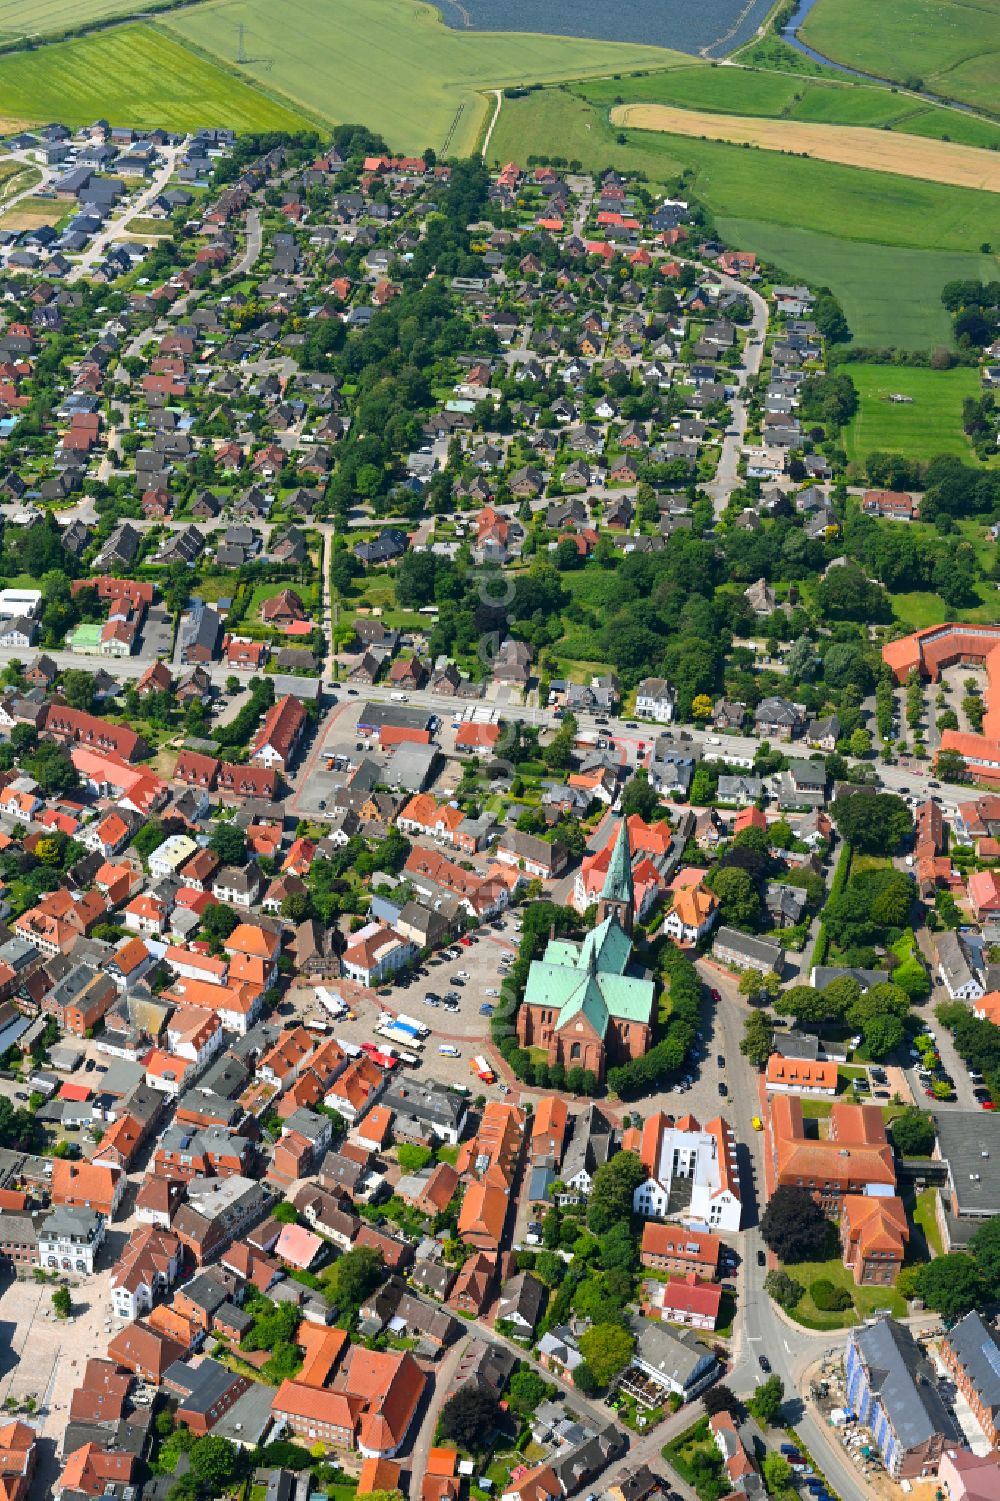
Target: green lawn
x=215 y=586
x=695 y=1457
x=866 y=1299
x=925 y=1218
x=727 y=1315
x=133 y=75
x=816 y=1110
x=952 y=45
x=930 y=425
x=393 y=64
x=923 y=608
x=750 y=91
x=890 y=294
x=920 y=609
x=262 y=592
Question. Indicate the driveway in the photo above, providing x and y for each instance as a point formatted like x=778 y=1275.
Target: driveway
x=444 y=1374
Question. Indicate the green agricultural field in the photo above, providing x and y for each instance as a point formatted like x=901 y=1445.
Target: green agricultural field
x=953 y=46
x=50 y=17
x=891 y=296
x=133 y=75
x=393 y=64
x=748 y=91
x=930 y=425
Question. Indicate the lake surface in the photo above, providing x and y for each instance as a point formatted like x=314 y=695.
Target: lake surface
x=712 y=27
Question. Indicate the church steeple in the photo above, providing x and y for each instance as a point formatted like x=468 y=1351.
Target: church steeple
x=618 y=894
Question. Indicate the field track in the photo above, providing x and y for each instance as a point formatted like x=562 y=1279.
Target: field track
x=850 y=145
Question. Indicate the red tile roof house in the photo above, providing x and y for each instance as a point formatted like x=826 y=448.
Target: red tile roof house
x=93 y=1471
x=289 y=1055
x=984 y=893
x=88 y=1185
x=685 y=1300
x=278 y=738
x=375 y=952
x=370 y=1407
x=890 y=503
x=196 y=770
x=283 y=609
x=79 y=728
x=249 y=781
x=142 y=1350
x=300 y=1248
x=477 y=1284
x=671 y=1248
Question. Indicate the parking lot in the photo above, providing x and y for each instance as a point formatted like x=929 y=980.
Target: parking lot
x=476 y=969
x=340 y=747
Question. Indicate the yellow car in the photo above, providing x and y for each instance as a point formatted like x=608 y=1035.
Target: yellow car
x=757 y=1123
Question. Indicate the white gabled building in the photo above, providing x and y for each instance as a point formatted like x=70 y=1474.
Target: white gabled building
x=70 y=1239
x=655 y=699
x=692 y=1173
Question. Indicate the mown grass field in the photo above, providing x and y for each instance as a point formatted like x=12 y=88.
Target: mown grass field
x=393 y=64
x=891 y=295
x=931 y=425
x=133 y=75
x=749 y=91
x=952 y=45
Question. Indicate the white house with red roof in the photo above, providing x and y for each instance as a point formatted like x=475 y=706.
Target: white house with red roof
x=277 y=740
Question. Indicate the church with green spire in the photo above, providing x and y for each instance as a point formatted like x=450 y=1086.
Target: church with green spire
x=586 y=1003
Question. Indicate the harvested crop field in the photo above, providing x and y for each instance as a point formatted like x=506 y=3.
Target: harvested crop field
x=850 y=145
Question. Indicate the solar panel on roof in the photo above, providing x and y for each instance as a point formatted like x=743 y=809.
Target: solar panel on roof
x=992 y=1355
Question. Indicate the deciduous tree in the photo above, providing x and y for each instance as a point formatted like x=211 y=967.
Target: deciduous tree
x=793 y=1225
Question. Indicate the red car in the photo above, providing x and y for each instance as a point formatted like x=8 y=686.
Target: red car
x=715 y=995
x=988 y=1105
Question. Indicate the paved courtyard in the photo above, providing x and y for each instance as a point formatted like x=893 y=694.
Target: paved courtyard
x=45 y=1356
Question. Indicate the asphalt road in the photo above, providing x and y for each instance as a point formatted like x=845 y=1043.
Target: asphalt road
x=251 y=254
x=727 y=476
x=118 y=227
